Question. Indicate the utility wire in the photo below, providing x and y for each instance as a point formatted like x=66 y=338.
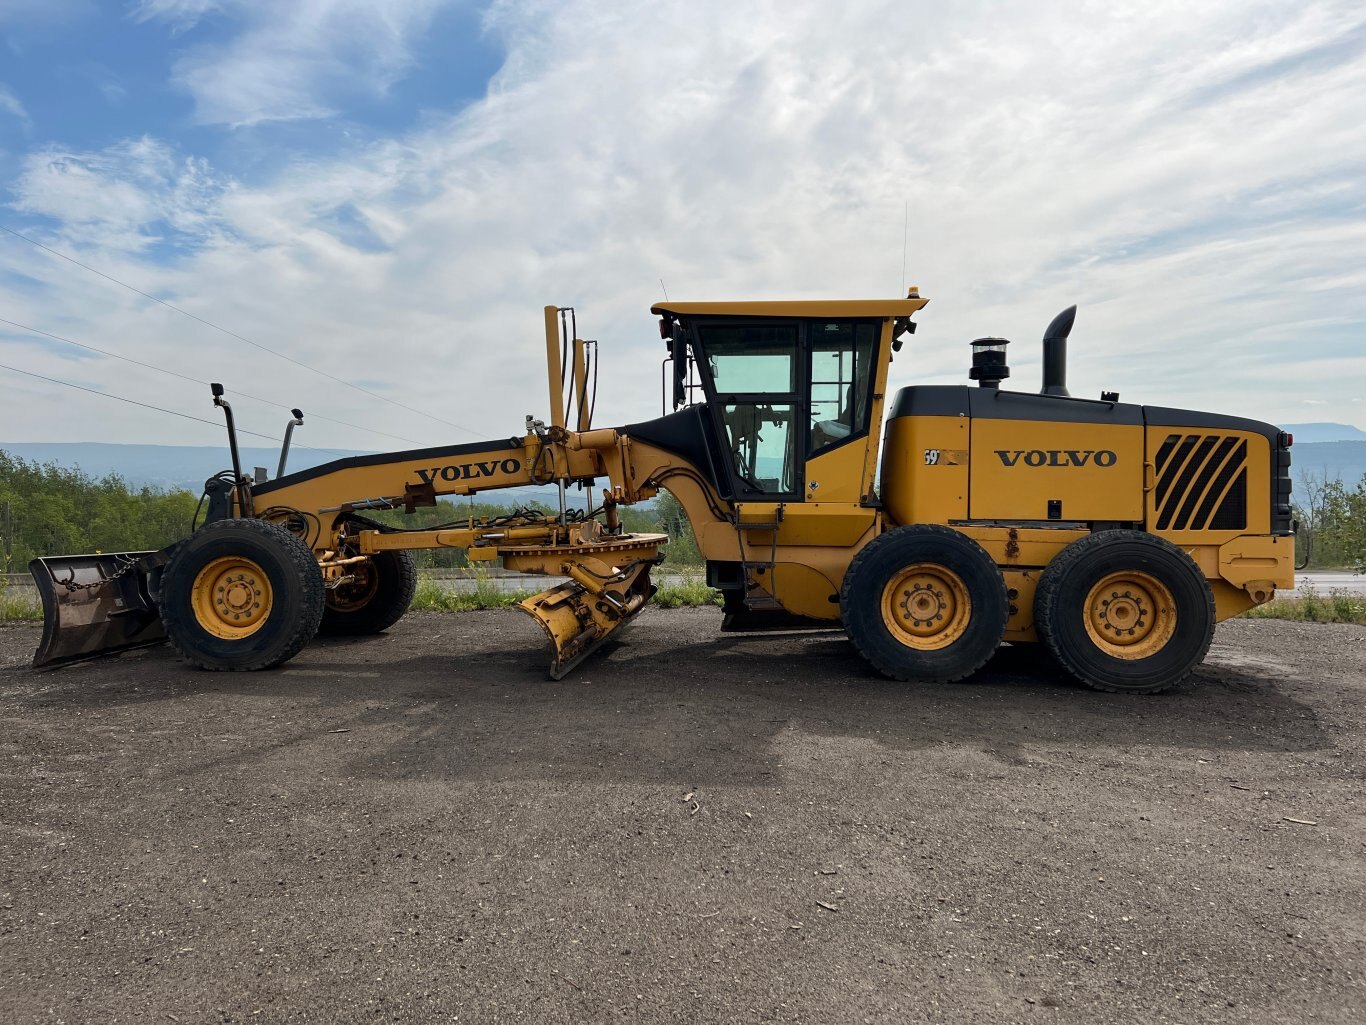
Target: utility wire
x=134 y=402
x=234 y=334
x=195 y=380
x=159 y=409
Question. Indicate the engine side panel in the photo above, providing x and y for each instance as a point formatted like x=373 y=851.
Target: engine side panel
x=1046 y=470
x=925 y=468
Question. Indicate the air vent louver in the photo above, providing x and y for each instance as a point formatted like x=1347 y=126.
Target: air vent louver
x=1201 y=483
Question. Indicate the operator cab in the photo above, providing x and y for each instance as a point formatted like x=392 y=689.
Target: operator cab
x=777 y=386
x=783 y=392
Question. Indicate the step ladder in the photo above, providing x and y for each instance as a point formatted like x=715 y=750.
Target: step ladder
x=745 y=527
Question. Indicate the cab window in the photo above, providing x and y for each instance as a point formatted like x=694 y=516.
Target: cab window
x=746 y=359
x=841 y=381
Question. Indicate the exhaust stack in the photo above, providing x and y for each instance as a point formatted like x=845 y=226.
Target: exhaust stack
x=1055 y=353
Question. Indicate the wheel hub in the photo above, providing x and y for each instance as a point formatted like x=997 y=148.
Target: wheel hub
x=357 y=592
x=1126 y=615
x=926 y=606
x=231 y=597
x=1130 y=615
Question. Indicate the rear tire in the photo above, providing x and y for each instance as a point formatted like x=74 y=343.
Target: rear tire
x=372 y=603
x=924 y=603
x=1125 y=611
x=241 y=595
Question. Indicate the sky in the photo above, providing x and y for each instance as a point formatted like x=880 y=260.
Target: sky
x=386 y=194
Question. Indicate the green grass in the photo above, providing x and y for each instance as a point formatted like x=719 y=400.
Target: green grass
x=18 y=606
x=432 y=597
x=1308 y=606
x=691 y=593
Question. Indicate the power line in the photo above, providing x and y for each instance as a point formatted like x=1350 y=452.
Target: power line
x=195 y=380
x=159 y=409
x=234 y=334
x=133 y=402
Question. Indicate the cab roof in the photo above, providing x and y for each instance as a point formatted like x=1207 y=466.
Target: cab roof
x=795 y=308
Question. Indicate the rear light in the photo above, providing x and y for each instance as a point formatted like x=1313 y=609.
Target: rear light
x=1287 y=439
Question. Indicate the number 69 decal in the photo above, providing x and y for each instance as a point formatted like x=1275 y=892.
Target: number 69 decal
x=931 y=456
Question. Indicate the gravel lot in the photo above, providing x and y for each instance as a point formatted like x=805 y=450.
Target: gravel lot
x=692 y=828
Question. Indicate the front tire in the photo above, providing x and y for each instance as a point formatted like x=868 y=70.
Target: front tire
x=375 y=600
x=241 y=595
x=1125 y=611
x=924 y=603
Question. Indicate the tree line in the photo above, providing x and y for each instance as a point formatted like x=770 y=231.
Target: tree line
x=1332 y=522
x=57 y=510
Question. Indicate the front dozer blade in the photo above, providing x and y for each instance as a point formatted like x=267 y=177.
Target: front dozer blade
x=94 y=605
x=578 y=623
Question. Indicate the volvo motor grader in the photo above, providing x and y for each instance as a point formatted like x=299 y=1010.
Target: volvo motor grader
x=1115 y=534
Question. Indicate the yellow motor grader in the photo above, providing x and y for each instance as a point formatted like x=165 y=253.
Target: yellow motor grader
x=1115 y=534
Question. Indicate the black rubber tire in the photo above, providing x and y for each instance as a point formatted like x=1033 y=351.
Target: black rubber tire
x=397 y=585
x=295 y=581
x=876 y=565
x=1059 y=611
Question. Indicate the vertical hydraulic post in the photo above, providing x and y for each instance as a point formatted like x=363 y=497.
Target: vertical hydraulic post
x=581 y=383
x=554 y=367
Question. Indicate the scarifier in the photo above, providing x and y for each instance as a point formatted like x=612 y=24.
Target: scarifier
x=1115 y=534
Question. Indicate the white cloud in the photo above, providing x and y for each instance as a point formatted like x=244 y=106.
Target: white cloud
x=126 y=197
x=9 y=104
x=290 y=61
x=181 y=14
x=1190 y=177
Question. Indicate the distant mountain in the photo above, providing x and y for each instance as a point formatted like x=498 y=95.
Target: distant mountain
x=1341 y=460
x=1312 y=434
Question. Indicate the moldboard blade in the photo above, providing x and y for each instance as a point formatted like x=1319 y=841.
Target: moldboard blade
x=563 y=612
x=94 y=605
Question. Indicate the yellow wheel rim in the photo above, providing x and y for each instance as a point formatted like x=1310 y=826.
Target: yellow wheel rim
x=231 y=597
x=357 y=593
x=926 y=606
x=1130 y=615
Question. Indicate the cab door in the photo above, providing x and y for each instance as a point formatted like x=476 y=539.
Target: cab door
x=755 y=374
x=842 y=364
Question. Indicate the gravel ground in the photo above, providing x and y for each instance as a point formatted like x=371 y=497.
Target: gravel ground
x=692 y=828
